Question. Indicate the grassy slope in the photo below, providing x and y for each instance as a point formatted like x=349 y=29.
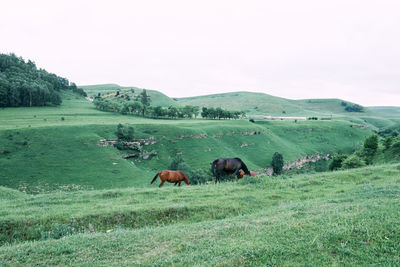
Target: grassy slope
x=259 y=104
x=346 y=217
x=48 y=153
x=157 y=98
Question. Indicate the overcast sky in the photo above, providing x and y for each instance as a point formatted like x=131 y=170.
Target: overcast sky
x=294 y=49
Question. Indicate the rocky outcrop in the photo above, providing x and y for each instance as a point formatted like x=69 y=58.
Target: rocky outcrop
x=299 y=163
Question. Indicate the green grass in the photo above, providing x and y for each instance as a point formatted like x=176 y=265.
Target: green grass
x=340 y=218
x=67 y=182
x=68 y=157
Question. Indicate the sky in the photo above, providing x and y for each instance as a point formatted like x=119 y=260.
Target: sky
x=293 y=49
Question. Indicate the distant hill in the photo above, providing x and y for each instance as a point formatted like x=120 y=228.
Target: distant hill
x=257 y=105
x=157 y=98
x=264 y=104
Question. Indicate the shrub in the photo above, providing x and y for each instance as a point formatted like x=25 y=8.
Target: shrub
x=251 y=120
x=353 y=161
x=200 y=176
x=277 y=163
x=336 y=162
x=370 y=148
x=176 y=160
x=124 y=133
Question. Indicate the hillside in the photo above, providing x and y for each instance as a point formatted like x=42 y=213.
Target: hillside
x=57 y=148
x=257 y=105
x=338 y=218
x=157 y=98
x=22 y=84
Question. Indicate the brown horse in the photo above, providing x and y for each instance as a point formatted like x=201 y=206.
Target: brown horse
x=252 y=173
x=171 y=176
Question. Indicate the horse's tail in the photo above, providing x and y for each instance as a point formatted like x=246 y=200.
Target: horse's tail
x=213 y=166
x=244 y=167
x=155 y=177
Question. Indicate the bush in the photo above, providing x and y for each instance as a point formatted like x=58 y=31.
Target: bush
x=353 y=161
x=277 y=163
x=176 y=160
x=336 y=162
x=370 y=148
x=200 y=176
x=124 y=133
x=251 y=120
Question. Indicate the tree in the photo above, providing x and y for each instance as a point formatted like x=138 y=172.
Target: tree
x=159 y=111
x=277 y=163
x=196 y=110
x=370 y=148
x=145 y=100
x=204 y=112
x=388 y=142
x=172 y=112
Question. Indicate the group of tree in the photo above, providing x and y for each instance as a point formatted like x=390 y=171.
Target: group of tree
x=352 y=107
x=367 y=154
x=23 y=84
x=219 y=113
x=140 y=106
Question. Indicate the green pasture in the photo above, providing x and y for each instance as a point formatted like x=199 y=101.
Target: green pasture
x=339 y=218
x=68 y=157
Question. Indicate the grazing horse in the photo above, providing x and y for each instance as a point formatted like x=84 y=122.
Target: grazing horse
x=229 y=166
x=252 y=173
x=171 y=176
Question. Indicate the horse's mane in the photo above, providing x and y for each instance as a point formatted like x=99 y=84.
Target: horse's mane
x=244 y=167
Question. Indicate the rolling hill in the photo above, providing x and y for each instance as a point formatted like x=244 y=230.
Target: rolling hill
x=257 y=105
x=57 y=148
x=157 y=98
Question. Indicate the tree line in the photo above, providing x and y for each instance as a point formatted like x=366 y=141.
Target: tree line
x=140 y=106
x=23 y=84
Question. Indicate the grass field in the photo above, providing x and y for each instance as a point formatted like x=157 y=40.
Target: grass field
x=340 y=218
x=56 y=148
x=66 y=200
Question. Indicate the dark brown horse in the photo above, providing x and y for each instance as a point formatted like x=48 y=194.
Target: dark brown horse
x=171 y=176
x=228 y=166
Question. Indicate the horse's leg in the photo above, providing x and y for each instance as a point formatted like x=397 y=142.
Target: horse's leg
x=237 y=172
x=179 y=183
x=175 y=183
x=162 y=182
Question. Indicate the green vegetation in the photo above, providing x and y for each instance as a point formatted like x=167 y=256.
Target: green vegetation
x=84 y=195
x=22 y=84
x=277 y=163
x=110 y=90
x=338 y=218
x=54 y=154
x=220 y=113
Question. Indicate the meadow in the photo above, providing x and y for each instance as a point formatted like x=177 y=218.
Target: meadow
x=340 y=218
x=68 y=200
x=57 y=148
